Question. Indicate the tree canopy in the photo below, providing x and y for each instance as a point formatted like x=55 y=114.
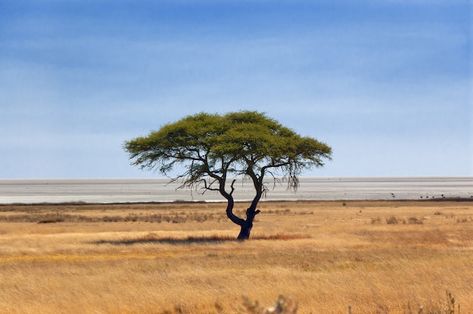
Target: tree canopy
x=213 y=148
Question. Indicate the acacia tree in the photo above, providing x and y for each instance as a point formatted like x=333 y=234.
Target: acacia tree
x=214 y=150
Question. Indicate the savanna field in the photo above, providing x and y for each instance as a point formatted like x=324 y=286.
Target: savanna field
x=371 y=256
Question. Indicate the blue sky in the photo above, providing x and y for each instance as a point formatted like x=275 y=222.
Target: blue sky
x=388 y=84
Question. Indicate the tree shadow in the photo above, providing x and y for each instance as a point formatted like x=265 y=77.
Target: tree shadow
x=215 y=239
x=169 y=240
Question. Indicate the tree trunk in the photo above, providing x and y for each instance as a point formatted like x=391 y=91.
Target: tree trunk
x=245 y=224
x=245 y=228
x=234 y=218
x=245 y=231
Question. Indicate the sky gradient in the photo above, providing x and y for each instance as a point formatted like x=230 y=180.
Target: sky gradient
x=388 y=84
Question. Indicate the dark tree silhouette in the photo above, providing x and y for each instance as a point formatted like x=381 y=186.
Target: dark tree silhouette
x=214 y=150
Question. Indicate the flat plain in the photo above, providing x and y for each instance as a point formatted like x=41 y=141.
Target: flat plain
x=161 y=190
x=374 y=256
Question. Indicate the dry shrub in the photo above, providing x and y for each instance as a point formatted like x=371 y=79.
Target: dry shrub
x=448 y=306
x=463 y=219
x=414 y=221
x=283 y=305
x=376 y=221
x=51 y=220
x=178 y=309
x=278 y=211
x=393 y=220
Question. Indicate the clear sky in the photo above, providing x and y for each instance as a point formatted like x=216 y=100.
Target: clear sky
x=388 y=84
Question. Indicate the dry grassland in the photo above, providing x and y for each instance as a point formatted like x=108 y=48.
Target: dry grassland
x=377 y=257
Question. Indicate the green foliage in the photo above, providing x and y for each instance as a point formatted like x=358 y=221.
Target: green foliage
x=211 y=146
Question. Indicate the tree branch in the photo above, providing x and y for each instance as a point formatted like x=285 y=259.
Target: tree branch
x=208 y=186
x=232 y=187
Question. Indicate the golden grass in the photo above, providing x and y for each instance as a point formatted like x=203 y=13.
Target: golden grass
x=325 y=256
